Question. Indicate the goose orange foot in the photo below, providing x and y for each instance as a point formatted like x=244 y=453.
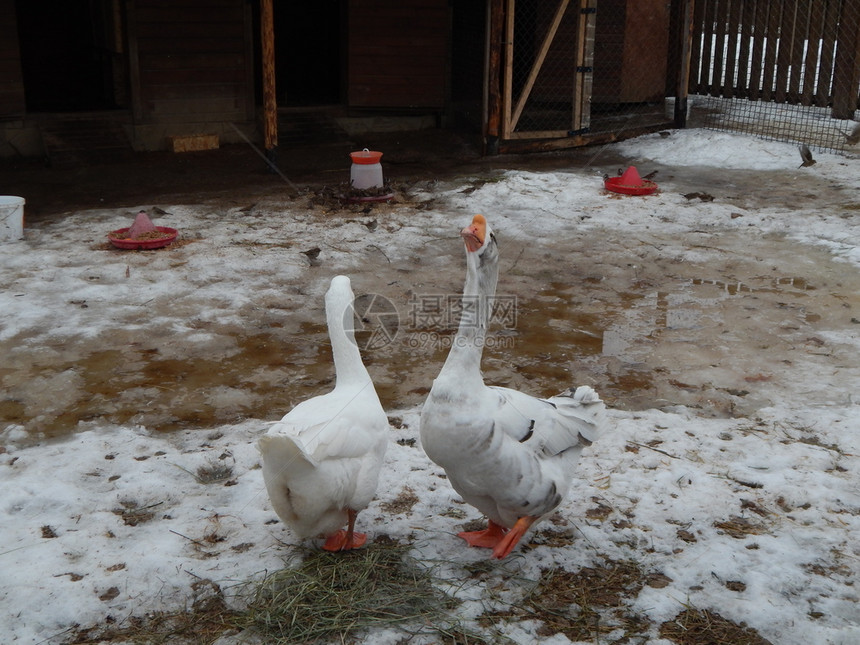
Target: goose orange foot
x=512 y=537
x=341 y=541
x=348 y=539
x=488 y=538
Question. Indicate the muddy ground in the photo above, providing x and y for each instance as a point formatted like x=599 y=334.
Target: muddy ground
x=724 y=334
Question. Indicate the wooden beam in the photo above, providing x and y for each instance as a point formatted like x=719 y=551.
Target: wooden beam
x=541 y=57
x=846 y=71
x=583 y=74
x=507 y=90
x=270 y=102
x=682 y=91
x=134 y=63
x=493 y=73
x=521 y=145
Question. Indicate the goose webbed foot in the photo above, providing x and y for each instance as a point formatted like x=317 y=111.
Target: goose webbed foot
x=487 y=538
x=512 y=537
x=344 y=540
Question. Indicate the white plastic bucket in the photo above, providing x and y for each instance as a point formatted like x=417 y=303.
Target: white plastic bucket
x=11 y=217
x=366 y=171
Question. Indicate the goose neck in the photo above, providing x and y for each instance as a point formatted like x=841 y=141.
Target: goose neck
x=349 y=368
x=478 y=292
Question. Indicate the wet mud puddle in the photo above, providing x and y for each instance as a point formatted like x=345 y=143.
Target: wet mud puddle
x=737 y=325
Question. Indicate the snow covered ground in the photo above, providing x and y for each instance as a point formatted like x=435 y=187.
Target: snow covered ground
x=753 y=515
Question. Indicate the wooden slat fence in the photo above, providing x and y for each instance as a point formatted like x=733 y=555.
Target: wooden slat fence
x=800 y=52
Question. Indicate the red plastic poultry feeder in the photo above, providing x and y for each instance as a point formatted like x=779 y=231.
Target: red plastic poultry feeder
x=142 y=234
x=119 y=238
x=630 y=183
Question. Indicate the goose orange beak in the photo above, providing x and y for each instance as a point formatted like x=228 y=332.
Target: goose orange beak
x=475 y=233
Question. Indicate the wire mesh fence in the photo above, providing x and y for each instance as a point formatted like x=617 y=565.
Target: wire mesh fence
x=785 y=70
x=584 y=66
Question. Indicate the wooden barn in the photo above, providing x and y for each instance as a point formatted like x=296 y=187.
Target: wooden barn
x=111 y=76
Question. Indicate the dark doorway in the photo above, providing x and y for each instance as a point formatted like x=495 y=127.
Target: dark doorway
x=308 y=52
x=71 y=55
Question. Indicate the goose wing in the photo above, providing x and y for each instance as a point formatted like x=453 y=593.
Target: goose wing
x=334 y=426
x=552 y=425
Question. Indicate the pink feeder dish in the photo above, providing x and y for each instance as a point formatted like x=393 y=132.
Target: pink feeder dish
x=142 y=234
x=630 y=183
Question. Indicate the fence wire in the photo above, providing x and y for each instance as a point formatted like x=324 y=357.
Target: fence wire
x=783 y=70
x=588 y=66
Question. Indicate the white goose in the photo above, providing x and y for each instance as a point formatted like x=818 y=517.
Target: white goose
x=321 y=461
x=508 y=454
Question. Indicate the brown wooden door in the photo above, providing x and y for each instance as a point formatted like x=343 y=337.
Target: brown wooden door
x=397 y=54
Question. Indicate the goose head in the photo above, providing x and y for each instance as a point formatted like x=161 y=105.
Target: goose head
x=480 y=241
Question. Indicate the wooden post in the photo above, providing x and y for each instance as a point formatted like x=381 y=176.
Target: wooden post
x=846 y=71
x=495 y=27
x=683 y=89
x=270 y=102
x=508 y=77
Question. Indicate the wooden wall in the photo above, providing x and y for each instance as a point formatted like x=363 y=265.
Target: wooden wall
x=191 y=60
x=631 y=50
x=398 y=53
x=12 y=102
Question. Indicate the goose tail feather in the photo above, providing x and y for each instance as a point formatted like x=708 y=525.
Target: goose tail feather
x=584 y=410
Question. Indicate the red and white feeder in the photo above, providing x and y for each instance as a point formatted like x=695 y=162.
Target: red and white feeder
x=630 y=183
x=142 y=234
x=366 y=171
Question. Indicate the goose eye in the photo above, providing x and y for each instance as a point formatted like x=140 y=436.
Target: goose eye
x=493 y=237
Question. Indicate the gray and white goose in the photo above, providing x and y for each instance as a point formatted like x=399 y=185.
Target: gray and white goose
x=510 y=455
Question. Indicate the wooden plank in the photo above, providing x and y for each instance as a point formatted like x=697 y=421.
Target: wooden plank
x=686 y=38
x=846 y=69
x=705 y=83
x=135 y=88
x=213 y=92
x=232 y=12
x=810 y=63
x=495 y=30
x=190 y=47
x=199 y=61
x=12 y=97
x=697 y=48
x=270 y=103
x=646 y=47
x=405 y=42
x=772 y=35
x=720 y=35
x=538 y=63
x=744 y=62
x=731 y=66
x=828 y=43
x=507 y=88
x=784 y=55
x=581 y=117
x=562 y=143
x=539 y=134
x=193 y=142
x=192 y=77
x=759 y=32
x=170 y=6
x=799 y=41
